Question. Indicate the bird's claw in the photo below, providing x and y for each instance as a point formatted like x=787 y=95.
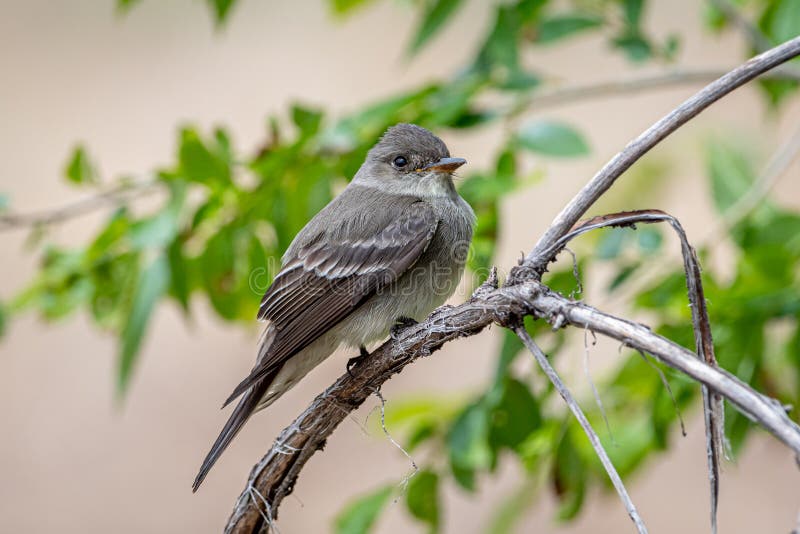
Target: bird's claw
x=352 y=362
x=400 y=323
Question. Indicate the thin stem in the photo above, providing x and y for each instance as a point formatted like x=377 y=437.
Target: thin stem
x=114 y=196
x=776 y=168
x=765 y=411
x=576 y=410
x=759 y=41
x=642 y=144
x=570 y=94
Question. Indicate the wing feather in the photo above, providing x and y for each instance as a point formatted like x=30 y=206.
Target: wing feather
x=326 y=280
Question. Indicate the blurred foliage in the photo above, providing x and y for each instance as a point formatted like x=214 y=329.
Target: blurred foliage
x=362 y=513
x=223 y=219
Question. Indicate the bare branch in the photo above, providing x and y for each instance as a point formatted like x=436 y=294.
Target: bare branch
x=767 y=412
x=776 y=167
x=750 y=30
x=570 y=94
x=537 y=260
x=275 y=475
x=779 y=162
x=543 y=362
x=667 y=387
x=712 y=404
x=115 y=196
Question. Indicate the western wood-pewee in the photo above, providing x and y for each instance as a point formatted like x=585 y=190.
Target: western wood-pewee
x=390 y=247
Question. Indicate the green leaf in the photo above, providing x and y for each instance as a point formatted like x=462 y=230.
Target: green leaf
x=179 y=274
x=221 y=9
x=777 y=90
x=154 y=232
x=731 y=174
x=650 y=239
x=611 y=243
x=151 y=285
x=782 y=21
x=422 y=498
x=515 y=416
x=363 y=127
x=3 y=202
x=345 y=7
x=200 y=162
x=564 y=281
x=671 y=47
x=519 y=80
x=552 y=139
x=500 y=47
x=360 y=515
x=635 y=46
x=433 y=20
x=157 y=231
x=306 y=119
x=623 y=274
x=125 y=5
x=420 y=434
x=569 y=478
x=3 y=319
x=633 y=12
x=509 y=350
x=468 y=444
x=560 y=26
x=225 y=268
x=714 y=18
x=80 y=169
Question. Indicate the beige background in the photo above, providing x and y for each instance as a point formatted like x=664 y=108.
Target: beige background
x=74 y=461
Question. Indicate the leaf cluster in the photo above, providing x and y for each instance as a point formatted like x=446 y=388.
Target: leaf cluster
x=221 y=220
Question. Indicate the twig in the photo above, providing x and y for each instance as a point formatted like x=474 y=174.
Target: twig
x=116 y=195
x=776 y=167
x=767 y=412
x=570 y=94
x=750 y=30
x=414 y=467
x=667 y=387
x=779 y=162
x=712 y=404
x=605 y=178
x=541 y=359
x=592 y=385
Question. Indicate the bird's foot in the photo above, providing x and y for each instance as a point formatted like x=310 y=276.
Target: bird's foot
x=352 y=362
x=400 y=323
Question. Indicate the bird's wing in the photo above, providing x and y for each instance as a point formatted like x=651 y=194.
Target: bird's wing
x=325 y=281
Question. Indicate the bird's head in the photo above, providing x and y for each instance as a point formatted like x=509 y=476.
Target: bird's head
x=409 y=159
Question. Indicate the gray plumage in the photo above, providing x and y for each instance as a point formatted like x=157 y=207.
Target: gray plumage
x=392 y=244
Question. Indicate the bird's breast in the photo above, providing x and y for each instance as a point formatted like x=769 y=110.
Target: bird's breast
x=426 y=285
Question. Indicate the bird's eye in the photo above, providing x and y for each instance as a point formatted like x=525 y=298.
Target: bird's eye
x=399 y=162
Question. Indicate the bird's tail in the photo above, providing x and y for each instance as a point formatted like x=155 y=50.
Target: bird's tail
x=248 y=404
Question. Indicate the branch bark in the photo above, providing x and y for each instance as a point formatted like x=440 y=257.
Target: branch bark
x=606 y=177
x=274 y=476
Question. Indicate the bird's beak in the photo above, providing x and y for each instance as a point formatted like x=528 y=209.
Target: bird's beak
x=444 y=165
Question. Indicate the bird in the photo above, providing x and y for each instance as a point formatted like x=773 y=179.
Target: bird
x=388 y=250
